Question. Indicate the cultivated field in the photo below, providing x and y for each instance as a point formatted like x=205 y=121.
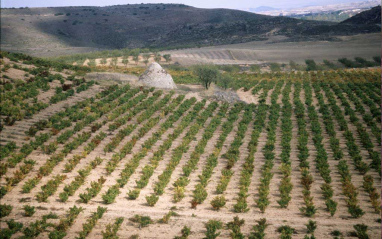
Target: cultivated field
x=97 y=161
x=275 y=50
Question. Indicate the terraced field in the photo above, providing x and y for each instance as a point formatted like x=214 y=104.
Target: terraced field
x=140 y=162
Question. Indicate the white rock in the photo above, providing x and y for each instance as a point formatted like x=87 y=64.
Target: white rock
x=156 y=76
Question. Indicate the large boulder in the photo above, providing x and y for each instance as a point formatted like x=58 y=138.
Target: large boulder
x=156 y=76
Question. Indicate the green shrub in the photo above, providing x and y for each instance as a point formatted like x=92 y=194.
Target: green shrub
x=152 y=200
x=259 y=229
x=234 y=226
x=57 y=234
x=255 y=68
x=331 y=206
x=360 y=231
x=218 y=202
x=112 y=229
x=275 y=67
x=5 y=210
x=212 y=226
x=286 y=232
x=143 y=221
x=178 y=194
x=29 y=210
x=311 y=65
x=311 y=226
x=64 y=196
x=166 y=218
x=185 y=232
x=134 y=194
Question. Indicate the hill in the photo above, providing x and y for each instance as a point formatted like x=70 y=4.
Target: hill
x=135 y=162
x=61 y=29
x=372 y=16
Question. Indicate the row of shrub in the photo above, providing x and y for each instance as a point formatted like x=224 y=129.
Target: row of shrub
x=286 y=186
x=107 y=95
x=262 y=201
x=148 y=170
x=177 y=153
x=232 y=155
x=199 y=193
x=130 y=167
x=79 y=180
x=306 y=178
x=181 y=182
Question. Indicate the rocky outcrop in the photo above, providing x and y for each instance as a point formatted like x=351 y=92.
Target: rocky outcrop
x=156 y=76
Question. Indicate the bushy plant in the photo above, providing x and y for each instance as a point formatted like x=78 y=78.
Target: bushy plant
x=311 y=226
x=218 y=202
x=234 y=226
x=5 y=210
x=185 y=232
x=360 y=231
x=259 y=229
x=29 y=210
x=133 y=194
x=143 y=221
x=212 y=226
x=152 y=200
x=286 y=232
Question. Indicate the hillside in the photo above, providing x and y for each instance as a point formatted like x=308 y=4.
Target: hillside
x=372 y=16
x=121 y=161
x=39 y=30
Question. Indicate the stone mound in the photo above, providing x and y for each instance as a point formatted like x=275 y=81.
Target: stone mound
x=156 y=76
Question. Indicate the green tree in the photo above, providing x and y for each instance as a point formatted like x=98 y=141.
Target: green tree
x=225 y=81
x=136 y=59
x=103 y=61
x=114 y=61
x=311 y=65
x=206 y=74
x=167 y=57
x=125 y=61
x=158 y=58
x=255 y=68
x=275 y=67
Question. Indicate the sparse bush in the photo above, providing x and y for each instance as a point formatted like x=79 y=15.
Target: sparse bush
x=275 y=67
x=112 y=229
x=134 y=194
x=218 y=202
x=166 y=218
x=311 y=226
x=255 y=68
x=259 y=229
x=212 y=226
x=360 y=231
x=167 y=57
x=311 y=65
x=152 y=200
x=29 y=210
x=185 y=232
x=286 y=232
x=225 y=81
x=5 y=210
x=143 y=221
x=234 y=226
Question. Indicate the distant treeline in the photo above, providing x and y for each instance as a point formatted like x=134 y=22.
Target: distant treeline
x=118 y=53
x=39 y=62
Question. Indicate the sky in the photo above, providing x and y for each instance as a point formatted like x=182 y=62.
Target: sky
x=233 y=4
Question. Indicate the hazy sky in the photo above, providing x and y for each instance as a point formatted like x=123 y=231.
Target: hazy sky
x=235 y=4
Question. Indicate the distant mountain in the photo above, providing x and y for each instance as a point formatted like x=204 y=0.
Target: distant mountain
x=356 y=7
x=262 y=9
x=152 y=25
x=372 y=16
